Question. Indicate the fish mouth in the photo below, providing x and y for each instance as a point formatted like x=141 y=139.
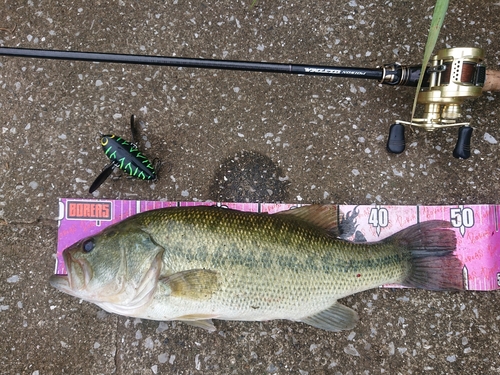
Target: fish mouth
x=77 y=278
x=60 y=282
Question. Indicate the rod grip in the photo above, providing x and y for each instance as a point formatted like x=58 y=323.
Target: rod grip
x=492 y=82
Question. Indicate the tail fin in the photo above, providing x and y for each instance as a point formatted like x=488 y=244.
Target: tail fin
x=433 y=264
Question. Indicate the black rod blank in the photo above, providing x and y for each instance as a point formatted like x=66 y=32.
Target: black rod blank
x=318 y=70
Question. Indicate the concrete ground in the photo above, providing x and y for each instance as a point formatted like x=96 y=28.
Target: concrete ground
x=277 y=137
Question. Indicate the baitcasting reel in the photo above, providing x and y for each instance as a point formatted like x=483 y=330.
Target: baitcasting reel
x=454 y=75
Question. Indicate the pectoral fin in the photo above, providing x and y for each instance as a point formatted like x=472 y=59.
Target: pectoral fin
x=336 y=318
x=196 y=284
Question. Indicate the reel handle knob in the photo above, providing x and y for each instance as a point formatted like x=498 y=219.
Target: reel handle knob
x=396 y=140
x=462 y=148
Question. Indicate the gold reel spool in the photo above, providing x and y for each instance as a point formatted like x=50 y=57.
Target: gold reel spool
x=456 y=74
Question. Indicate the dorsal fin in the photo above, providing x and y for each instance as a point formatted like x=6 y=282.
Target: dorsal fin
x=325 y=216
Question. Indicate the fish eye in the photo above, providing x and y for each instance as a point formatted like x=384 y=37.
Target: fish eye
x=88 y=245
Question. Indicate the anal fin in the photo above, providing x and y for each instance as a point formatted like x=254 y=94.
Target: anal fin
x=336 y=318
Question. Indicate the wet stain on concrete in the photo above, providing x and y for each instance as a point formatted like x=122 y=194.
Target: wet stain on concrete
x=249 y=176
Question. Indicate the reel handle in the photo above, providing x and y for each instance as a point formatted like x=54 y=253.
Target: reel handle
x=396 y=141
x=462 y=148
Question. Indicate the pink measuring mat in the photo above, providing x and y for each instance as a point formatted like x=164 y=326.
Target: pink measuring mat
x=476 y=227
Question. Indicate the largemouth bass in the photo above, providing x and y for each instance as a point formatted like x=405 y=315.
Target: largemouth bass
x=195 y=264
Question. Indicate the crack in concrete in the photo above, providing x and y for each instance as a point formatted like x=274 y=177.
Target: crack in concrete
x=39 y=221
x=117 y=359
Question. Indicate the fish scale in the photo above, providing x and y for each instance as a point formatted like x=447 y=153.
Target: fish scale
x=262 y=276
x=198 y=263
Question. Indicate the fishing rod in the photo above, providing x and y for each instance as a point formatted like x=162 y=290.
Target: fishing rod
x=392 y=74
x=455 y=74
